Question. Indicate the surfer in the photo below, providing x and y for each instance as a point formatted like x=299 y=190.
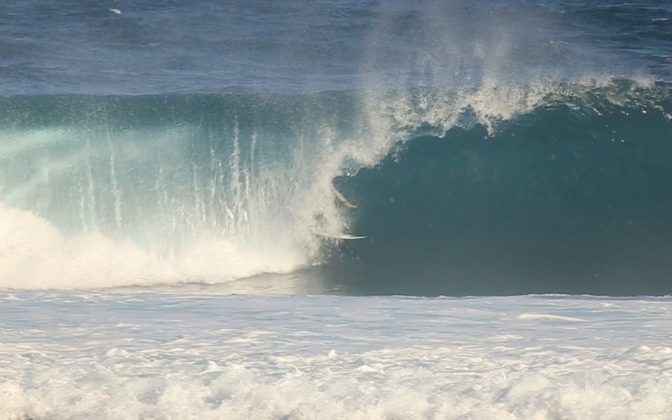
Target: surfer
x=342 y=198
x=320 y=221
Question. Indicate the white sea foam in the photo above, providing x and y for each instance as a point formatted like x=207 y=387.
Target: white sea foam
x=130 y=356
x=549 y=317
x=35 y=255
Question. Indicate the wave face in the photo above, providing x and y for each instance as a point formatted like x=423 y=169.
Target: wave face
x=547 y=187
x=572 y=197
x=110 y=191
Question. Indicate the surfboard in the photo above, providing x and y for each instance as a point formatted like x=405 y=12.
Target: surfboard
x=339 y=236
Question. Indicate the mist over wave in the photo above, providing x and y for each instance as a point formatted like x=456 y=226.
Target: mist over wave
x=204 y=46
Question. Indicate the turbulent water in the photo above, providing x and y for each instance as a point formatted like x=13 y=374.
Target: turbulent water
x=325 y=357
x=158 y=156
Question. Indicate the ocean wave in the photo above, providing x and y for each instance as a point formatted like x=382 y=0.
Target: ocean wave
x=212 y=188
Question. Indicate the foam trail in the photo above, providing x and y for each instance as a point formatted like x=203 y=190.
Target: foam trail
x=115 y=187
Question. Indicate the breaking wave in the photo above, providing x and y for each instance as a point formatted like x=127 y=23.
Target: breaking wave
x=484 y=190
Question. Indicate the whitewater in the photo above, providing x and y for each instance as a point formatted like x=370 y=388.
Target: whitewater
x=174 y=179
x=147 y=355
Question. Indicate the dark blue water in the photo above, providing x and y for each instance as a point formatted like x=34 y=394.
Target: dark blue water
x=490 y=147
x=134 y=47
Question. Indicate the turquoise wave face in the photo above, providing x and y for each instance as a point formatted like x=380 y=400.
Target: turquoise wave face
x=556 y=187
x=162 y=170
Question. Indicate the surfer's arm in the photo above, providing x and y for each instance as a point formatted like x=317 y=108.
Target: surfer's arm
x=342 y=198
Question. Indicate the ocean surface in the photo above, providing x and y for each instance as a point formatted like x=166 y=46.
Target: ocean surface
x=176 y=179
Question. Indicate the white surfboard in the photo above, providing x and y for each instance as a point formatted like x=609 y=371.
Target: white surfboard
x=339 y=236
